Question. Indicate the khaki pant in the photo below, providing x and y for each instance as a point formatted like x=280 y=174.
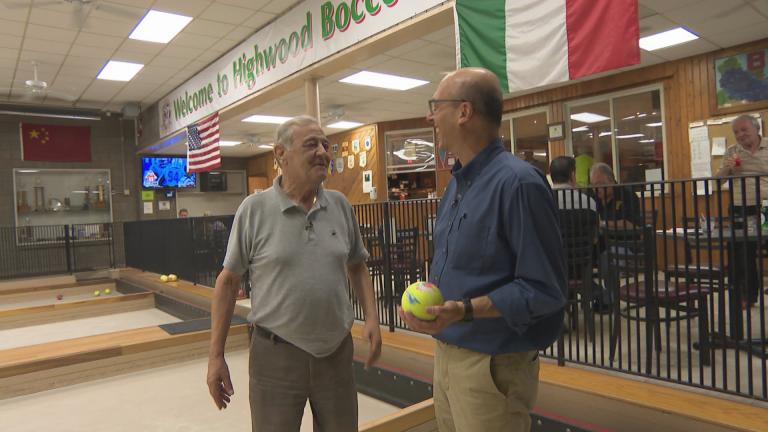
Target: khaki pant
x=478 y=392
x=283 y=377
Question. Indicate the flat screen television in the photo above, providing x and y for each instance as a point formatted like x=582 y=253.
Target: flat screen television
x=166 y=172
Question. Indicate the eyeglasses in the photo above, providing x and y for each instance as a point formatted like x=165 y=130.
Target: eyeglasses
x=433 y=103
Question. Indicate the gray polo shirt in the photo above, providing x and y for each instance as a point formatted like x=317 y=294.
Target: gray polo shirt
x=298 y=265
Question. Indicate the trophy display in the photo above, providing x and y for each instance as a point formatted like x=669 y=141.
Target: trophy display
x=100 y=201
x=39 y=198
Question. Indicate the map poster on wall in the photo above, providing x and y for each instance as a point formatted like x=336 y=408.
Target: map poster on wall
x=741 y=81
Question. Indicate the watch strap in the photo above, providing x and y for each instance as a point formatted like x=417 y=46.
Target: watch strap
x=469 y=311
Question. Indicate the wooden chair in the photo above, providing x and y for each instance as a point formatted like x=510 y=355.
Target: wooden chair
x=632 y=254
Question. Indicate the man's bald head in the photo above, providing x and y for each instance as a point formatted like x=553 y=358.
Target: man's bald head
x=481 y=88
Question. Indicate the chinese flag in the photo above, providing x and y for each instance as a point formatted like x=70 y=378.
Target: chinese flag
x=52 y=143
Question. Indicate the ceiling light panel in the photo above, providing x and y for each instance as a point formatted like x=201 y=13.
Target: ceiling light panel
x=160 y=27
x=669 y=38
x=588 y=117
x=344 y=125
x=119 y=71
x=256 y=118
x=381 y=80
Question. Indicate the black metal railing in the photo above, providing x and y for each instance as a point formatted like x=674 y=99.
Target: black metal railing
x=54 y=249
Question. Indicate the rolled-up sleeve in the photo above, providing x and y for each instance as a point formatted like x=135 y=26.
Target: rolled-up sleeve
x=538 y=289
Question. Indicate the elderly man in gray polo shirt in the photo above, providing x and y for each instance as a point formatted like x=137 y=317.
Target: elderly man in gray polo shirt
x=300 y=244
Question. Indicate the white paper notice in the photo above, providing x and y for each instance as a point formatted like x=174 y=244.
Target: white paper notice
x=700 y=152
x=718 y=146
x=148 y=207
x=367 y=181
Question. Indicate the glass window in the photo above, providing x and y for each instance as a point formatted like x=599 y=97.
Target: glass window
x=505 y=134
x=532 y=139
x=410 y=150
x=622 y=130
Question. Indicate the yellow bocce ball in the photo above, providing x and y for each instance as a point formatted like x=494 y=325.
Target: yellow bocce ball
x=418 y=297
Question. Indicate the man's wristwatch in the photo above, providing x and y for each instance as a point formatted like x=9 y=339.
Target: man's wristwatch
x=468 y=310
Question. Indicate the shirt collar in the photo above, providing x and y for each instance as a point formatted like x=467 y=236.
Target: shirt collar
x=480 y=161
x=286 y=202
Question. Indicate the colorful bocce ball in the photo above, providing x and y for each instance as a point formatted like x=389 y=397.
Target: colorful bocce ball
x=420 y=295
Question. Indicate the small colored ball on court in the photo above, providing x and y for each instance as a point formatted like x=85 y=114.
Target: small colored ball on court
x=164 y=278
x=59 y=297
x=172 y=277
x=418 y=297
x=96 y=293
x=107 y=291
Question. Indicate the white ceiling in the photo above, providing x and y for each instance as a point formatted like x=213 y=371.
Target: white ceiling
x=69 y=58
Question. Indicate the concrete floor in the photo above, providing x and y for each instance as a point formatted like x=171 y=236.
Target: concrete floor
x=167 y=399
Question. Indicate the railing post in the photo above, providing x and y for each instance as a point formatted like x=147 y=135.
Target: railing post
x=68 y=247
x=388 y=289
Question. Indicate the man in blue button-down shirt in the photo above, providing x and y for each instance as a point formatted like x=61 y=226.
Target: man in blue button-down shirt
x=498 y=262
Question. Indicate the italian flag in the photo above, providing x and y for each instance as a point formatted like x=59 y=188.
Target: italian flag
x=532 y=43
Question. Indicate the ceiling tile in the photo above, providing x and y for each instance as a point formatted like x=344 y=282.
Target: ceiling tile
x=47 y=61
x=98 y=40
x=277 y=6
x=102 y=90
x=169 y=62
x=655 y=24
x=180 y=51
x=155 y=75
x=239 y=34
x=13 y=28
x=738 y=19
x=51 y=18
x=446 y=36
x=79 y=65
x=190 y=8
x=14 y=14
x=191 y=40
x=109 y=27
x=50 y=33
x=116 y=12
x=132 y=56
x=46 y=46
x=665 y=5
x=8 y=55
x=208 y=27
x=433 y=54
x=226 y=13
x=761 y=6
x=91 y=51
x=143 y=46
x=258 y=20
x=8 y=41
x=248 y=4
x=644 y=12
x=223 y=46
x=698 y=46
x=704 y=10
x=741 y=35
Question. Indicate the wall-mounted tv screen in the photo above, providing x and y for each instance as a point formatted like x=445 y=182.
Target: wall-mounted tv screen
x=166 y=172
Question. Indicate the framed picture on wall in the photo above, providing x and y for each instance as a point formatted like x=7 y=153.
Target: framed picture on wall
x=741 y=82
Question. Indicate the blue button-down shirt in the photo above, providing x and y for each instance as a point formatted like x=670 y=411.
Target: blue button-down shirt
x=497 y=234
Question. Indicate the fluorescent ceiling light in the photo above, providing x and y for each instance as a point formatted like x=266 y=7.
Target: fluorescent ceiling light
x=657 y=124
x=665 y=39
x=375 y=79
x=225 y=143
x=28 y=170
x=159 y=26
x=580 y=129
x=344 y=125
x=266 y=146
x=119 y=71
x=629 y=136
x=606 y=133
x=266 y=119
x=588 y=117
x=647 y=140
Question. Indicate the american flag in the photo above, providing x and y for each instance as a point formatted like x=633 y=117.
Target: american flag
x=203 y=144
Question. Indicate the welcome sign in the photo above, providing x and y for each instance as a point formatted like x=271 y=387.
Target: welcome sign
x=308 y=33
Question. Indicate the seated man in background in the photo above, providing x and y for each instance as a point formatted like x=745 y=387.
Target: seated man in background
x=619 y=209
x=183 y=213
x=563 y=172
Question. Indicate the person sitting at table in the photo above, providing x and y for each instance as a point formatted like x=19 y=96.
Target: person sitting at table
x=749 y=156
x=619 y=209
x=562 y=169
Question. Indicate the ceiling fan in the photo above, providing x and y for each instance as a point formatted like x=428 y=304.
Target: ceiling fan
x=80 y=8
x=36 y=89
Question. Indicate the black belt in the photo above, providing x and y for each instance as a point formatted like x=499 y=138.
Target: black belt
x=266 y=334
